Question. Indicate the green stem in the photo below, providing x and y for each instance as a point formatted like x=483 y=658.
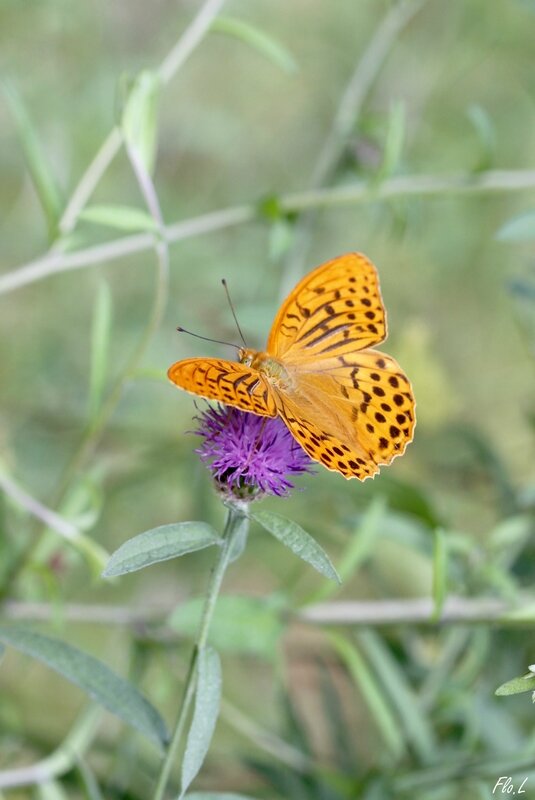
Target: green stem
x=347 y=194
x=233 y=529
x=63 y=759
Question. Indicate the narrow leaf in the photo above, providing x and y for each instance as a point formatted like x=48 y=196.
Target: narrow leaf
x=205 y=714
x=160 y=544
x=36 y=161
x=122 y=218
x=372 y=694
x=140 y=117
x=395 y=138
x=485 y=132
x=298 y=540
x=520 y=228
x=402 y=698
x=260 y=41
x=526 y=683
x=100 y=341
x=92 y=676
x=439 y=573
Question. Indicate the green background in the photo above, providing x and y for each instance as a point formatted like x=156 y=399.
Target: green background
x=454 y=98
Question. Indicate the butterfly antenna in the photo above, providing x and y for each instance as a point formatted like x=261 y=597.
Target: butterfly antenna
x=223 y=281
x=207 y=339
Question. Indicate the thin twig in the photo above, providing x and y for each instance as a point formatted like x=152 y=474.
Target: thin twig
x=45 y=515
x=360 y=192
x=189 y=40
x=63 y=759
x=406 y=612
x=461 y=610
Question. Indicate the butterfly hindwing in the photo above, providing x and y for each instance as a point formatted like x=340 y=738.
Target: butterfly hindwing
x=370 y=391
x=229 y=382
x=335 y=309
x=318 y=440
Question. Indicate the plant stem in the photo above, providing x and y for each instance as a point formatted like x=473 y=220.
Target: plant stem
x=348 y=194
x=236 y=518
x=63 y=759
x=362 y=613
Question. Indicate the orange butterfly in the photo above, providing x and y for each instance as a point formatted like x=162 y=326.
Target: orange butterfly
x=350 y=407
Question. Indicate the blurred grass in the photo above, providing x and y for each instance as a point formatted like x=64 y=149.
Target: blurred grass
x=235 y=128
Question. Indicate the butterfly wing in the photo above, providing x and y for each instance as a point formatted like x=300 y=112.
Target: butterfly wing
x=351 y=417
x=335 y=309
x=229 y=382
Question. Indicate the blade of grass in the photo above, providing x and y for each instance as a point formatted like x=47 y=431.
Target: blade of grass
x=386 y=722
x=38 y=166
x=258 y=40
x=403 y=699
x=100 y=343
x=439 y=573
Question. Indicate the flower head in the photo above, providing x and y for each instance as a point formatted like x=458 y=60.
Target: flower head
x=249 y=455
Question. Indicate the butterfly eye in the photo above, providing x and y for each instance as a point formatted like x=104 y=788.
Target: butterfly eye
x=246 y=358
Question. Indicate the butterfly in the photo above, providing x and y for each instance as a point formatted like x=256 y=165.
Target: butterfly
x=349 y=406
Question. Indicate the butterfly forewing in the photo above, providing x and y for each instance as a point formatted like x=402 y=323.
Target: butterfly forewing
x=229 y=382
x=334 y=310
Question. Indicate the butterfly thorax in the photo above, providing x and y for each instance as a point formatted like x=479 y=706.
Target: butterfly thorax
x=264 y=363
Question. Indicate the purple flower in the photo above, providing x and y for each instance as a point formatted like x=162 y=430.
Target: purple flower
x=249 y=455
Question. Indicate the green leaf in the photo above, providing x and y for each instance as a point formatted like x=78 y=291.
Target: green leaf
x=395 y=138
x=160 y=544
x=140 y=117
x=526 y=683
x=372 y=694
x=100 y=342
x=92 y=676
x=122 y=218
x=439 y=573
x=486 y=135
x=240 y=624
x=520 y=228
x=402 y=698
x=298 y=540
x=205 y=714
x=40 y=172
x=260 y=41
x=240 y=540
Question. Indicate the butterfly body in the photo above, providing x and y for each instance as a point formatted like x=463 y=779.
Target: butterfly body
x=265 y=364
x=349 y=406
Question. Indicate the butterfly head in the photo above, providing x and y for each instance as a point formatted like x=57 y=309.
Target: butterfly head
x=247 y=356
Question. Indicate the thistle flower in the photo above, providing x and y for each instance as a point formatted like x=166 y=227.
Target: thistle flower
x=249 y=455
